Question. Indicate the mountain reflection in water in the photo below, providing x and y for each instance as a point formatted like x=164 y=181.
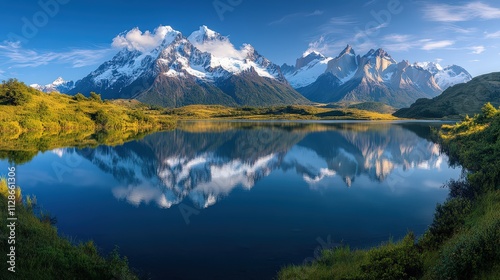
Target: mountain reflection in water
x=204 y=162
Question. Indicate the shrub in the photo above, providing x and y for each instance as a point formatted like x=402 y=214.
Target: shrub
x=101 y=118
x=394 y=261
x=13 y=92
x=470 y=253
x=79 y=97
x=449 y=217
x=95 y=97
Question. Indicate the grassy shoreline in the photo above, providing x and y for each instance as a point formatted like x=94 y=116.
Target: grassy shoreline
x=461 y=243
x=40 y=253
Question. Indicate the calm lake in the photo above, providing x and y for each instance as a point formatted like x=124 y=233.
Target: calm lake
x=239 y=200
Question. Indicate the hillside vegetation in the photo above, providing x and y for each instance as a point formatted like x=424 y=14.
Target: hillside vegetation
x=462 y=241
x=457 y=101
x=291 y=112
x=32 y=121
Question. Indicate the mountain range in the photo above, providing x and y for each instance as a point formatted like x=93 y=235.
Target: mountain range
x=375 y=76
x=59 y=85
x=206 y=68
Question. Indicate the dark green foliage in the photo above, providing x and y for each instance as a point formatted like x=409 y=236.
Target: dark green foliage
x=43 y=110
x=394 y=262
x=79 y=97
x=13 y=92
x=101 y=118
x=448 y=219
x=475 y=251
x=374 y=107
x=457 y=101
x=95 y=97
x=139 y=116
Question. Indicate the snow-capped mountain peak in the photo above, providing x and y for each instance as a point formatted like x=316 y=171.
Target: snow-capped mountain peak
x=201 y=68
x=58 y=85
x=59 y=81
x=307 y=69
x=205 y=34
x=445 y=76
x=432 y=67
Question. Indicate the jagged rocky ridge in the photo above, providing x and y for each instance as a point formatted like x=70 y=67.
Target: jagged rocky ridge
x=376 y=76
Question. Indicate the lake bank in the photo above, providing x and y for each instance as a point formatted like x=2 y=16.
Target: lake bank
x=461 y=243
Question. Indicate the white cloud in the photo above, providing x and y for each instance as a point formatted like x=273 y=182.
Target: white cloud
x=319 y=46
x=135 y=39
x=16 y=56
x=296 y=15
x=432 y=45
x=457 y=13
x=398 y=42
x=370 y=32
x=494 y=35
x=221 y=49
x=459 y=29
x=477 y=49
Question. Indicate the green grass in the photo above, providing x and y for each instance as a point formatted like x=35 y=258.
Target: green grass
x=60 y=113
x=463 y=240
x=291 y=112
x=42 y=254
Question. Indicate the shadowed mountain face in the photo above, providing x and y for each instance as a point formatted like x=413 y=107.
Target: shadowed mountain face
x=205 y=164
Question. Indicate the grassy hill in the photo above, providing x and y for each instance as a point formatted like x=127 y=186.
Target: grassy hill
x=374 y=107
x=457 y=101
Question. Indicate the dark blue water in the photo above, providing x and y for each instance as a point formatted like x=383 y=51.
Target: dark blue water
x=231 y=200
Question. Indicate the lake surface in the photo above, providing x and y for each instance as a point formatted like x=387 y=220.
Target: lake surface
x=239 y=200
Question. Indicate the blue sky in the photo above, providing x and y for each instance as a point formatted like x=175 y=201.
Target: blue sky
x=41 y=40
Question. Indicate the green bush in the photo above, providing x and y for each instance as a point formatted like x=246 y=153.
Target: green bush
x=394 y=261
x=448 y=218
x=101 y=118
x=79 y=97
x=95 y=97
x=13 y=92
x=470 y=254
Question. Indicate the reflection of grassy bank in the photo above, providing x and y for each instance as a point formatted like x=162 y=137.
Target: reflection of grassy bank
x=42 y=254
x=24 y=147
x=461 y=243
